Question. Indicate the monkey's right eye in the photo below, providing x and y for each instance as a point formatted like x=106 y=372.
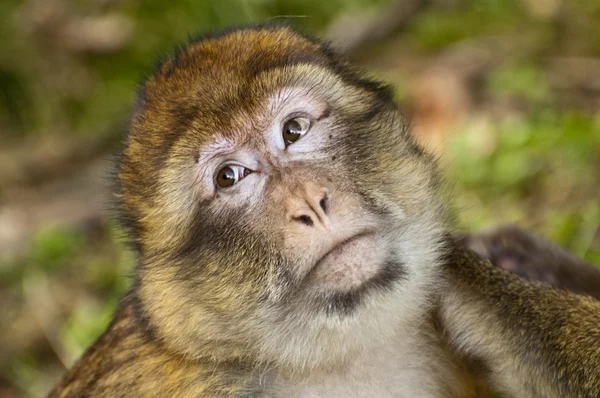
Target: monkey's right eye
x=230 y=174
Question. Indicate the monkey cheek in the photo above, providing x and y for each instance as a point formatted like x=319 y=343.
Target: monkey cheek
x=348 y=266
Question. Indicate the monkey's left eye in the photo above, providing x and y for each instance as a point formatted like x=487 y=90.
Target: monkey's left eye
x=229 y=175
x=293 y=129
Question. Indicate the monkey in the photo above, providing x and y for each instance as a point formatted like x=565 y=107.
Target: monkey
x=292 y=241
x=515 y=249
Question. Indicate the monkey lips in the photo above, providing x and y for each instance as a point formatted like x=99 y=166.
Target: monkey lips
x=348 y=264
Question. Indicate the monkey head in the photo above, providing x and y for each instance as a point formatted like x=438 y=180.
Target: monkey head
x=280 y=209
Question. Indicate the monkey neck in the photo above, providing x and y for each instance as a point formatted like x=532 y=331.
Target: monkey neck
x=297 y=351
x=219 y=349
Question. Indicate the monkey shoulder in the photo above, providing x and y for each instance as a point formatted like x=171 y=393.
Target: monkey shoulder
x=126 y=361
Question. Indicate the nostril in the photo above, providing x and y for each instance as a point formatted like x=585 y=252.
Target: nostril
x=304 y=219
x=323 y=204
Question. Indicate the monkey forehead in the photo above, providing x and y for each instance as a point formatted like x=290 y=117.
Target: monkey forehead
x=248 y=126
x=213 y=76
x=245 y=50
x=215 y=71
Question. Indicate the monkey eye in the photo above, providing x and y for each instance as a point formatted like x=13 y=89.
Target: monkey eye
x=230 y=174
x=293 y=129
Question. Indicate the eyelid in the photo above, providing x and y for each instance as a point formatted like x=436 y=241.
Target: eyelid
x=297 y=115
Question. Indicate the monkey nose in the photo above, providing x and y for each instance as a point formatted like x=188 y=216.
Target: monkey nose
x=311 y=208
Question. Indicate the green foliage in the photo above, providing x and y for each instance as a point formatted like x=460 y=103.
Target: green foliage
x=52 y=248
x=544 y=155
x=576 y=229
x=86 y=268
x=439 y=27
x=85 y=324
x=25 y=373
x=522 y=80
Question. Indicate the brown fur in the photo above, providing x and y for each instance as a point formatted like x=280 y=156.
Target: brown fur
x=534 y=340
x=125 y=361
x=222 y=304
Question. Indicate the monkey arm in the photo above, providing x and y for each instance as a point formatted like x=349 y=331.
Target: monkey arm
x=533 y=339
x=534 y=258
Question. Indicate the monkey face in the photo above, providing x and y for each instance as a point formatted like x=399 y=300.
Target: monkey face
x=284 y=187
x=263 y=178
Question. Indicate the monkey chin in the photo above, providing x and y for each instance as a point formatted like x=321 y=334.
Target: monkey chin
x=352 y=270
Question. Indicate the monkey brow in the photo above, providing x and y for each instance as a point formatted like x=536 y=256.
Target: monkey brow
x=219 y=146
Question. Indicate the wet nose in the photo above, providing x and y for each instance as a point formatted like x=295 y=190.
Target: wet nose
x=310 y=206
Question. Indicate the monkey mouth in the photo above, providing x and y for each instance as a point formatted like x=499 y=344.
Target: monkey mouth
x=342 y=279
x=340 y=245
x=347 y=264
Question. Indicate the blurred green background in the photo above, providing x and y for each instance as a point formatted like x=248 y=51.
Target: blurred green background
x=506 y=92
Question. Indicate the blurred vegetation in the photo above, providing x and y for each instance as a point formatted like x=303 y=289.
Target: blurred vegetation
x=518 y=133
